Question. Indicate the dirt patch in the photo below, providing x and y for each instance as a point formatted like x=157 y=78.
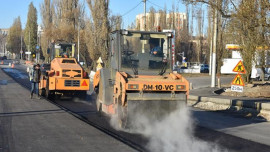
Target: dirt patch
x=258 y=90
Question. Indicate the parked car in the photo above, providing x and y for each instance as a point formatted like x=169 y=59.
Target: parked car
x=256 y=74
x=267 y=76
x=16 y=61
x=3 y=57
x=204 y=68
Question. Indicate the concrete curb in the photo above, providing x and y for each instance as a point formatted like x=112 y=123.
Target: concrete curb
x=256 y=105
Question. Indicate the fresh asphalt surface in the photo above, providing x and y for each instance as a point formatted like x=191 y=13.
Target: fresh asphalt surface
x=32 y=125
x=49 y=132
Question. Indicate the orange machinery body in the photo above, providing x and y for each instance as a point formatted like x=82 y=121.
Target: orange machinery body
x=154 y=93
x=171 y=84
x=65 y=74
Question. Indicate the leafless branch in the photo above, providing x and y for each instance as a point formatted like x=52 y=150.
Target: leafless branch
x=213 y=5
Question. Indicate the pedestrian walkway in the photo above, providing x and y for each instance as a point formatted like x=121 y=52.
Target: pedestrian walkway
x=230 y=108
x=37 y=125
x=209 y=92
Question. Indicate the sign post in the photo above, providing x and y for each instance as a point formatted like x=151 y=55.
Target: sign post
x=37 y=53
x=99 y=62
x=238 y=83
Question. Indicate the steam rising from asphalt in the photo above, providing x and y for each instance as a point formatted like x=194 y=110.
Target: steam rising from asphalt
x=173 y=133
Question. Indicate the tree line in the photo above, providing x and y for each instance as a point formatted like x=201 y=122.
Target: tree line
x=242 y=22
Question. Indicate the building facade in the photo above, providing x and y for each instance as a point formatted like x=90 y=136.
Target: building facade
x=176 y=21
x=3 y=39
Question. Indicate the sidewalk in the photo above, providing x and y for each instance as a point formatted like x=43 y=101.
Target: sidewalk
x=37 y=125
x=205 y=98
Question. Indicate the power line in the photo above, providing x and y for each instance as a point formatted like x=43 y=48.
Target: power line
x=131 y=9
x=120 y=16
x=155 y=4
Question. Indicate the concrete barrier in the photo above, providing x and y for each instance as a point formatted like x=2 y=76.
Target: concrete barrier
x=232 y=102
x=260 y=107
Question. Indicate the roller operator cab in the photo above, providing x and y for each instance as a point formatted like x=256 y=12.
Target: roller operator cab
x=65 y=76
x=139 y=77
x=65 y=50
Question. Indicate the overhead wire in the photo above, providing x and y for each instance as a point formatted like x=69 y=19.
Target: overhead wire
x=131 y=9
x=137 y=6
x=155 y=4
x=120 y=16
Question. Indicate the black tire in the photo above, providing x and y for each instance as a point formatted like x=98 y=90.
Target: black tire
x=49 y=94
x=83 y=95
x=42 y=92
x=80 y=94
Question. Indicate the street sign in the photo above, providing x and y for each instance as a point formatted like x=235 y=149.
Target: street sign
x=37 y=47
x=99 y=60
x=238 y=80
x=239 y=68
x=237 y=88
x=27 y=52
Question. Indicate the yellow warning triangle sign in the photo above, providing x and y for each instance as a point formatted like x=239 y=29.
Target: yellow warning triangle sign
x=99 y=60
x=84 y=83
x=239 y=68
x=238 y=80
x=99 y=66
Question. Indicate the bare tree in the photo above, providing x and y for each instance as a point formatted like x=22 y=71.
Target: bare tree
x=14 y=36
x=246 y=22
x=115 y=22
x=99 y=28
x=47 y=12
x=151 y=20
x=61 y=20
x=30 y=34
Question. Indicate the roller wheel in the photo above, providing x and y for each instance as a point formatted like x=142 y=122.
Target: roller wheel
x=98 y=103
x=122 y=115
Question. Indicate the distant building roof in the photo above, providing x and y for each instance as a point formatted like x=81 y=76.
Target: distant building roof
x=4 y=31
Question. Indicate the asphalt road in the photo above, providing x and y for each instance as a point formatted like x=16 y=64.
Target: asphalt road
x=205 y=81
x=229 y=132
x=239 y=127
x=34 y=125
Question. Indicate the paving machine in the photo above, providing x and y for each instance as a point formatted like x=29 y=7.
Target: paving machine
x=139 y=77
x=65 y=76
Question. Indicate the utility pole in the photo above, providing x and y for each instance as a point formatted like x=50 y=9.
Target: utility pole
x=144 y=41
x=21 y=48
x=211 y=51
x=144 y=15
x=213 y=69
x=5 y=49
x=29 y=45
x=39 y=47
x=78 y=39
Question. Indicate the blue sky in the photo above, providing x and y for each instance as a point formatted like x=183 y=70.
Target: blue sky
x=10 y=9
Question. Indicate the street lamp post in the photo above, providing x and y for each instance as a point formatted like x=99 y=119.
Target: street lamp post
x=21 y=48
x=78 y=39
x=213 y=67
x=39 y=46
x=29 y=46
